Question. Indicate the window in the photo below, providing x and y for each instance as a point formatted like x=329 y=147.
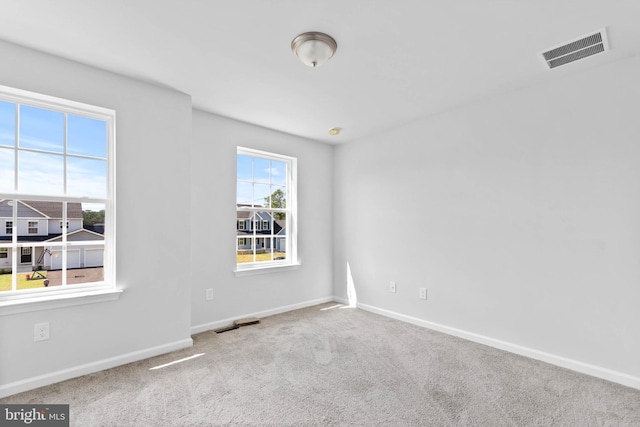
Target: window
x=4 y=252
x=240 y=225
x=56 y=167
x=265 y=194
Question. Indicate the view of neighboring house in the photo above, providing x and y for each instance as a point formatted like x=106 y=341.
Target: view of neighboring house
x=264 y=228
x=39 y=231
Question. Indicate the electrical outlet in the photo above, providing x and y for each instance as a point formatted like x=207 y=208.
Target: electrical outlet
x=209 y=294
x=41 y=331
x=392 y=287
x=423 y=293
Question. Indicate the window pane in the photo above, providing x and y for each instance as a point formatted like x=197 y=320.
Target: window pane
x=278 y=173
x=29 y=274
x=244 y=250
x=264 y=237
x=93 y=218
x=261 y=195
x=40 y=173
x=7 y=123
x=244 y=168
x=7 y=171
x=78 y=271
x=5 y=264
x=86 y=177
x=278 y=197
x=279 y=236
x=261 y=170
x=87 y=137
x=244 y=193
x=41 y=129
x=85 y=255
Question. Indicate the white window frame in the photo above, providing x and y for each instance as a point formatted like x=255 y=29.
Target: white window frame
x=32 y=227
x=25 y=300
x=8 y=227
x=291 y=261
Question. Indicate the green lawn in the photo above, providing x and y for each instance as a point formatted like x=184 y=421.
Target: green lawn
x=259 y=257
x=23 y=283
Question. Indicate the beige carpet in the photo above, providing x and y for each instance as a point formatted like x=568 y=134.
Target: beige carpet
x=340 y=366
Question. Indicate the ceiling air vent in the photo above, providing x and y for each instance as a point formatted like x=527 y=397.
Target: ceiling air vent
x=577 y=49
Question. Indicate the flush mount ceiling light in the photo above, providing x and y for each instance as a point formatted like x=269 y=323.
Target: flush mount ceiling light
x=313 y=48
x=335 y=131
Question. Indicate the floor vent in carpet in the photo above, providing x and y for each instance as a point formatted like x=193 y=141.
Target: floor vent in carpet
x=238 y=323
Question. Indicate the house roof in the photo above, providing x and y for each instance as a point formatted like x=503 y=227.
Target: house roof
x=30 y=238
x=263 y=216
x=279 y=225
x=77 y=235
x=283 y=227
x=243 y=214
x=54 y=209
x=278 y=229
x=35 y=208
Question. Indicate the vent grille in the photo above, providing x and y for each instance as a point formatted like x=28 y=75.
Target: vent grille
x=583 y=47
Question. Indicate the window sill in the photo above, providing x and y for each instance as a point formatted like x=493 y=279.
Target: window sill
x=262 y=270
x=47 y=302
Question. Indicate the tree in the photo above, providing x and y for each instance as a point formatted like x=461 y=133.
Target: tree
x=276 y=200
x=92 y=217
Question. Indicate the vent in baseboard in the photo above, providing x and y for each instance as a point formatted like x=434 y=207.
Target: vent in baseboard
x=579 y=48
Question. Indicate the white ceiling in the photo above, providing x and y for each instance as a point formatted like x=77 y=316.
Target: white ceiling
x=397 y=61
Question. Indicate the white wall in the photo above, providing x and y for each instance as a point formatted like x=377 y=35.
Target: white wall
x=213 y=192
x=521 y=215
x=153 y=161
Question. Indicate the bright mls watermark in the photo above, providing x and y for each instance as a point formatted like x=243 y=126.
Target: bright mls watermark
x=34 y=415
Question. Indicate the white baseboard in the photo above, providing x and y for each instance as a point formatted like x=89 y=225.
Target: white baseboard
x=100 y=365
x=54 y=377
x=89 y=368
x=228 y=322
x=574 y=365
x=341 y=300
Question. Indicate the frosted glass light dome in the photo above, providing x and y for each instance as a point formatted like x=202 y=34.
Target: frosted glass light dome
x=313 y=48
